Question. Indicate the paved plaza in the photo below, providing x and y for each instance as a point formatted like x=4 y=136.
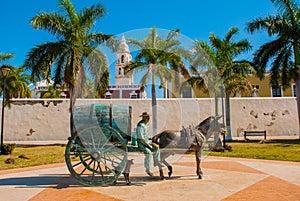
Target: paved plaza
x=224 y=179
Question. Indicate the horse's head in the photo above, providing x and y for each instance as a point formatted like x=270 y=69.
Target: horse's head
x=215 y=126
x=211 y=125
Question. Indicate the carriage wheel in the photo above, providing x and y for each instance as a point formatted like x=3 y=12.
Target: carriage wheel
x=97 y=156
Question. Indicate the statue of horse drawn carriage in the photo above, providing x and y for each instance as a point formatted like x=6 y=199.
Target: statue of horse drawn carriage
x=97 y=151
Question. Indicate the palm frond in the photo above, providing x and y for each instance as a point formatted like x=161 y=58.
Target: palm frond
x=287 y=8
x=195 y=81
x=60 y=68
x=70 y=9
x=41 y=58
x=5 y=56
x=138 y=44
x=135 y=66
x=146 y=78
x=173 y=34
x=231 y=33
x=95 y=39
x=215 y=41
x=265 y=53
x=165 y=74
x=182 y=52
x=241 y=46
x=88 y=16
x=96 y=63
x=203 y=55
x=102 y=83
x=269 y=23
x=153 y=38
x=52 y=22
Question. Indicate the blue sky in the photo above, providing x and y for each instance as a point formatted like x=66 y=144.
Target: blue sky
x=195 y=19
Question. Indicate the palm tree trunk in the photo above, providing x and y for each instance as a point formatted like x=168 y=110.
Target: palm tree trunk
x=227 y=109
x=166 y=90
x=154 y=105
x=72 y=126
x=216 y=105
x=217 y=140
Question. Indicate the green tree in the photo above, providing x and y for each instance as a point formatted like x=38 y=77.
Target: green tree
x=74 y=55
x=16 y=81
x=157 y=59
x=51 y=92
x=283 y=49
x=222 y=54
x=4 y=57
x=16 y=84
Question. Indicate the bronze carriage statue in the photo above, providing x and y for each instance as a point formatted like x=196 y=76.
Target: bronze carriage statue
x=97 y=152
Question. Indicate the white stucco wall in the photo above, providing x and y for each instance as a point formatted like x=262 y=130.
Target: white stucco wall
x=51 y=122
x=278 y=116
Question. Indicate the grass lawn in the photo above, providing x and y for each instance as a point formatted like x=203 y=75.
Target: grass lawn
x=284 y=150
x=38 y=155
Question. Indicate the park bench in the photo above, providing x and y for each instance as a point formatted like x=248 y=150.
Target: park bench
x=255 y=133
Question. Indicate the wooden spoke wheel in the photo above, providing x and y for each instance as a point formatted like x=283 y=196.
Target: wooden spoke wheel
x=97 y=156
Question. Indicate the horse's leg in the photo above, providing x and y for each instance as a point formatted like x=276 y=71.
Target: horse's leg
x=170 y=168
x=161 y=173
x=198 y=160
x=163 y=157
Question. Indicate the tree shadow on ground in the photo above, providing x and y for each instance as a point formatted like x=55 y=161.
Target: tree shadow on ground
x=270 y=141
x=283 y=141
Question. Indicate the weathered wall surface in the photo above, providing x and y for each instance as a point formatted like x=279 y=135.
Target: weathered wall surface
x=49 y=119
x=278 y=116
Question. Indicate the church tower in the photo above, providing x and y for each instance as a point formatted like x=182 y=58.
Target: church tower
x=124 y=86
x=123 y=58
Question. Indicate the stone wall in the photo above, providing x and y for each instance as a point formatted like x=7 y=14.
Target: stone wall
x=42 y=119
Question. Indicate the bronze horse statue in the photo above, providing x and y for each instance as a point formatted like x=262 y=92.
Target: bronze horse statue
x=191 y=138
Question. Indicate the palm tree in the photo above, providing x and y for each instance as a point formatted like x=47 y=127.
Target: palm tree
x=283 y=51
x=16 y=81
x=4 y=57
x=156 y=58
x=222 y=54
x=204 y=73
x=52 y=92
x=89 y=89
x=16 y=84
x=74 y=55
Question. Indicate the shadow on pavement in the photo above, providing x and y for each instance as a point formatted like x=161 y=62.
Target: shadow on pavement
x=62 y=181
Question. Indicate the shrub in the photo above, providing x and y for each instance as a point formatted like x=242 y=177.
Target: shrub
x=7 y=148
x=10 y=161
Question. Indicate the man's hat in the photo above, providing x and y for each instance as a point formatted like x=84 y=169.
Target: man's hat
x=145 y=114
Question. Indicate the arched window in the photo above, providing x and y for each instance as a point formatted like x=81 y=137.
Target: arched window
x=122 y=59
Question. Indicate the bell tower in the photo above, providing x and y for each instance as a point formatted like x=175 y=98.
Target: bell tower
x=124 y=87
x=123 y=58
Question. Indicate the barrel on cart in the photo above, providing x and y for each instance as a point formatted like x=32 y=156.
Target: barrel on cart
x=96 y=155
